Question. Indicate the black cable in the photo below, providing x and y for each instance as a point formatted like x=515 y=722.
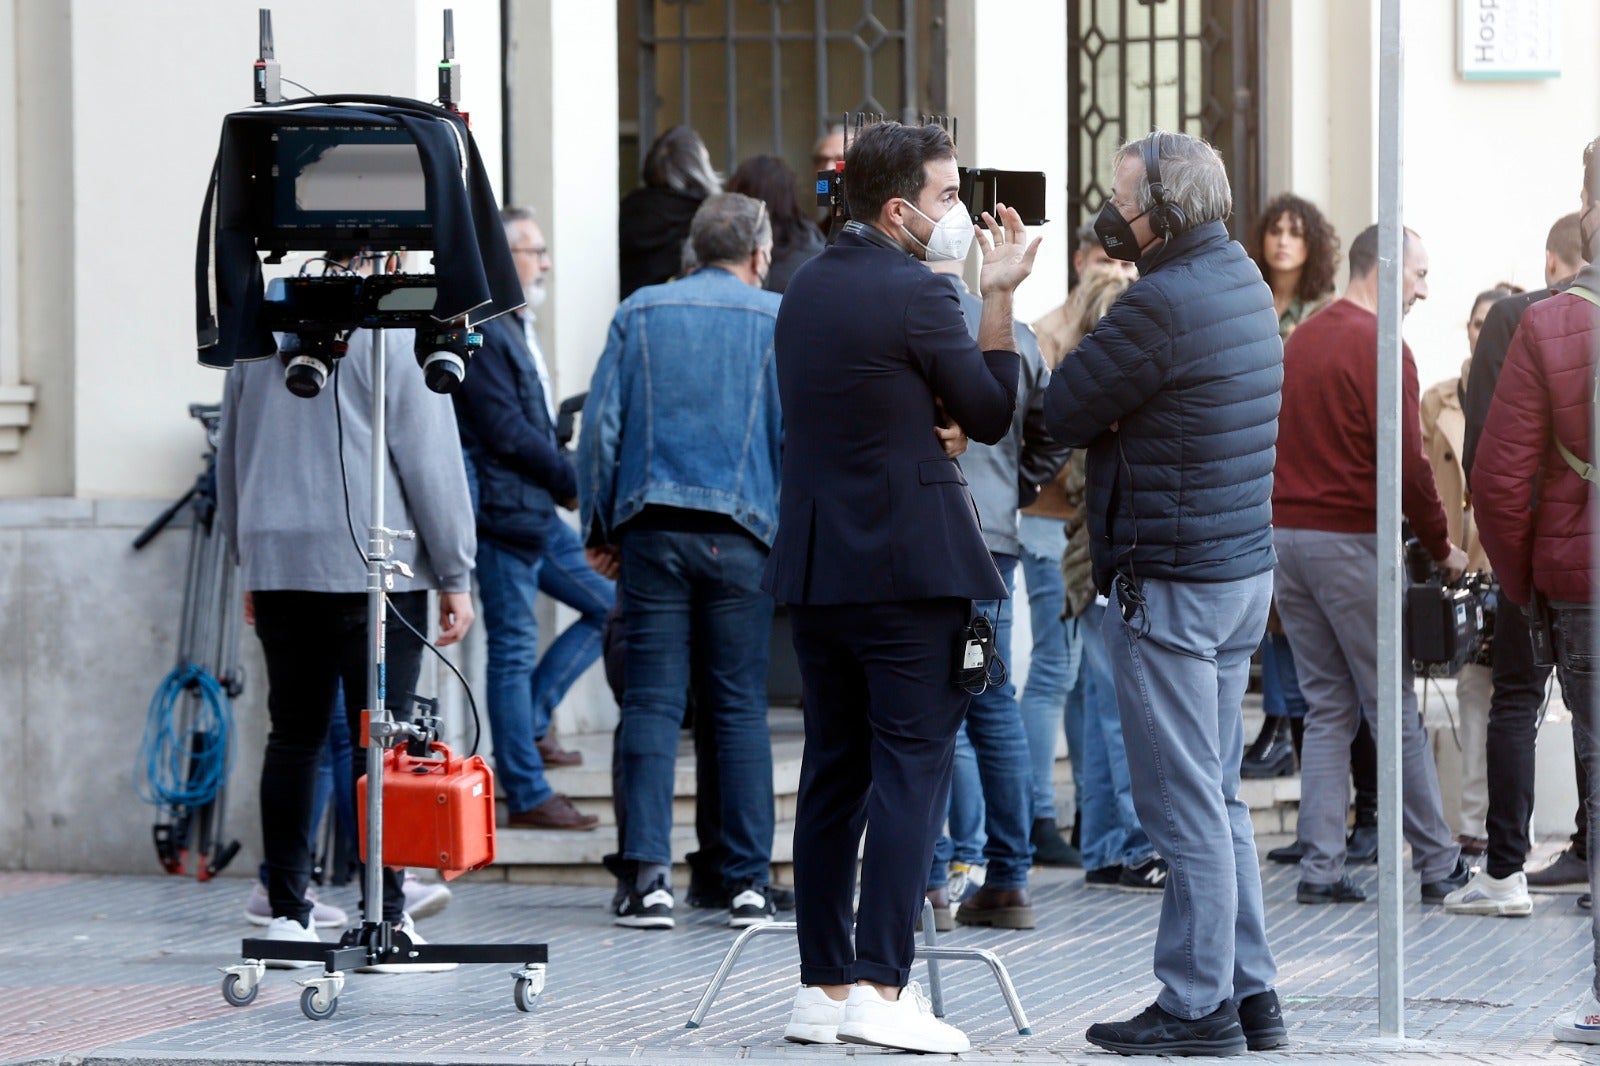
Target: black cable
x=1430 y=676
x=344 y=483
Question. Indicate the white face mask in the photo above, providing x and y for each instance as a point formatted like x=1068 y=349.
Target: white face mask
x=535 y=295
x=951 y=237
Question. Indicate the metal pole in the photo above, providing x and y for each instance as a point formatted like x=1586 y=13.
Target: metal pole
x=1391 y=258
x=377 y=556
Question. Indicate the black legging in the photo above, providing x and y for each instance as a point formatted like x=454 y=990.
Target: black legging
x=313 y=642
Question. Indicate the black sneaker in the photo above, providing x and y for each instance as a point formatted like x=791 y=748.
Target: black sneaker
x=1341 y=891
x=1436 y=891
x=1104 y=877
x=650 y=909
x=1567 y=873
x=1586 y=902
x=749 y=905
x=1155 y=1032
x=1148 y=876
x=1262 y=1021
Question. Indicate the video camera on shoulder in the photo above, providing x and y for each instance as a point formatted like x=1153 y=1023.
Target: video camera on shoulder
x=1448 y=623
x=981 y=189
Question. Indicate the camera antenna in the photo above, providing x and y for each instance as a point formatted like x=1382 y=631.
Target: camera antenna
x=268 y=87
x=449 y=69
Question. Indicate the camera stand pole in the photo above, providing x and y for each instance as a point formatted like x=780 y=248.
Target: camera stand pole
x=378 y=579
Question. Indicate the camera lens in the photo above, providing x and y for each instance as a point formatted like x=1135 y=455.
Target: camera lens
x=305 y=376
x=442 y=371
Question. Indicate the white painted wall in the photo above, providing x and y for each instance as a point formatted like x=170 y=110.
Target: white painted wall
x=1489 y=166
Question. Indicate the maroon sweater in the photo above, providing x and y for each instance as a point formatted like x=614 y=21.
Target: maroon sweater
x=1326 y=476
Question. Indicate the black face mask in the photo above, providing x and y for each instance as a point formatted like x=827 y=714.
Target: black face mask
x=1116 y=233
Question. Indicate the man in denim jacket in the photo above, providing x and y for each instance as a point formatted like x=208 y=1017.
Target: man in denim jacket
x=678 y=487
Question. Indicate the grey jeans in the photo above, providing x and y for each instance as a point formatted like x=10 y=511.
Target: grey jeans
x=1181 y=669
x=1327 y=595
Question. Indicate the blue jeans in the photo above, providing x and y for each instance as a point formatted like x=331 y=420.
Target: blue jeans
x=1181 y=671
x=1053 y=665
x=566 y=577
x=524 y=687
x=1280 y=685
x=695 y=599
x=994 y=727
x=1109 y=834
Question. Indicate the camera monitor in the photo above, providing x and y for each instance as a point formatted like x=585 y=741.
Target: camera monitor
x=339 y=188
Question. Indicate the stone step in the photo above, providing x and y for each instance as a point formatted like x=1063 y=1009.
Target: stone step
x=557 y=847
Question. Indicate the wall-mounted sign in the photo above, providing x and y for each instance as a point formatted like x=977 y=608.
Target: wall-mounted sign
x=1501 y=39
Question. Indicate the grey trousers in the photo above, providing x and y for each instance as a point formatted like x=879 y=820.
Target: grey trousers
x=1327 y=595
x=1181 y=671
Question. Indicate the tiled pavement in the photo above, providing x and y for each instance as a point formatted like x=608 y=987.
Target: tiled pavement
x=102 y=970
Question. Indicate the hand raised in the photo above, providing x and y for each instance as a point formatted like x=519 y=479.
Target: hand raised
x=1007 y=254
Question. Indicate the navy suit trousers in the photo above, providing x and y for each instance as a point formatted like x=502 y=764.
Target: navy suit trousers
x=881 y=715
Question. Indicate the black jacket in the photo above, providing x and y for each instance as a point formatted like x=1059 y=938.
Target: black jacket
x=1489 y=358
x=519 y=472
x=652 y=224
x=470 y=256
x=871 y=510
x=1189 y=366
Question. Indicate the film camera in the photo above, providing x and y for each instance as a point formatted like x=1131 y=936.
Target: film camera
x=981 y=189
x=1448 y=624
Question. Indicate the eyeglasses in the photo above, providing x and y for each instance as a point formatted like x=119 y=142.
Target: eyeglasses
x=540 y=252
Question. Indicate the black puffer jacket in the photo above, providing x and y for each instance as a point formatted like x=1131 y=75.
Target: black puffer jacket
x=1189 y=367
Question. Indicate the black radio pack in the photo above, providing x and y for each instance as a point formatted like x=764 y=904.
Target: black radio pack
x=1443 y=626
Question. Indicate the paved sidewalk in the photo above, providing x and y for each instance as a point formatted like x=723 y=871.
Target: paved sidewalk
x=122 y=969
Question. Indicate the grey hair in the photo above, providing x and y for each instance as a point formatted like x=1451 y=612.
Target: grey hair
x=1192 y=174
x=678 y=160
x=728 y=227
x=510 y=215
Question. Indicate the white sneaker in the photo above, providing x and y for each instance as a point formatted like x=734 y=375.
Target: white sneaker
x=815 y=1018
x=1582 y=1026
x=258 y=910
x=410 y=930
x=965 y=879
x=1505 y=897
x=424 y=899
x=906 y=1023
x=289 y=929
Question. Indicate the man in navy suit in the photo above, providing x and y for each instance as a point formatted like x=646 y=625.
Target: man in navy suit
x=880 y=557
x=520 y=476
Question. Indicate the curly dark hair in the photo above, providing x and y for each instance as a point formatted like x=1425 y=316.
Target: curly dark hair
x=1322 y=244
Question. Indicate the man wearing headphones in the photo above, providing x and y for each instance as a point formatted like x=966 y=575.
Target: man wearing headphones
x=1175 y=395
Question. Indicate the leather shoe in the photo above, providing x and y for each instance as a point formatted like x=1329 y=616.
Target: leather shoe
x=553 y=754
x=1341 y=891
x=1155 y=1032
x=942 y=921
x=1289 y=854
x=998 y=908
x=1362 y=845
x=1473 y=846
x=1436 y=891
x=557 y=812
x=1262 y=1021
x=1049 y=849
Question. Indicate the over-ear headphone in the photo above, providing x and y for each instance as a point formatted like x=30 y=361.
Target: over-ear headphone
x=1167 y=219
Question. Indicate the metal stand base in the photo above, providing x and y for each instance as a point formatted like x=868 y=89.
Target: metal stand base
x=929 y=950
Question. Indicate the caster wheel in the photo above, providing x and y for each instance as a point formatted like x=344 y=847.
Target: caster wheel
x=236 y=998
x=524 y=994
x=308 y=1006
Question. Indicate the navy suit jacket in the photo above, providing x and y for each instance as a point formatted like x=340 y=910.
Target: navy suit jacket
x=871 y=509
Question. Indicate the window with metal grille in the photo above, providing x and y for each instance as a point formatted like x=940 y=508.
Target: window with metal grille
x=770 y=76
x=1188 y=65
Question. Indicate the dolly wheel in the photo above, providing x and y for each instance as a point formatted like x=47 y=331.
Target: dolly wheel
x=234 y=995
x=524 y=994
x=310 y=1001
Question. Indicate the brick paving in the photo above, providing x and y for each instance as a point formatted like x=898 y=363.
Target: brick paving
x=123 y=969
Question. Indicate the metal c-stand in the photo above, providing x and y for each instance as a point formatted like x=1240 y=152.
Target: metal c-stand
x=335 y=305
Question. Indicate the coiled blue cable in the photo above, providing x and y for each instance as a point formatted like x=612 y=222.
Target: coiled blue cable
x=186 y=769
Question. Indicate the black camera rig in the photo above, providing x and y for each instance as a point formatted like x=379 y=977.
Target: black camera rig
x=981 y=189
x=1449 y=624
